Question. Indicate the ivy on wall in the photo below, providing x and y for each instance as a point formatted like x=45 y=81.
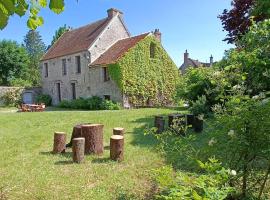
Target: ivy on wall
x=145 y=80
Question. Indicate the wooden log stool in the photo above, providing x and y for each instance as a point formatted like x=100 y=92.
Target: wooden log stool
x=93 y=134
x=190 y=119
x=118 y=131
x=59 y=145
x=76 y=133
x=159 y=124
x=78 y=149
x=117 y=147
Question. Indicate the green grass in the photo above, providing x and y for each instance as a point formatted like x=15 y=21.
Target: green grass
x=29 y=171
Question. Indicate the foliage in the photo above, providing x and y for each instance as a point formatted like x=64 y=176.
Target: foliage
x=21 y=7
x=36 y=48
x=44 y=98
x=19 y=82
x=12 y=97
x=92 y=103
x=59 y=32
x=247 y=123
x=238 y=20
x=199 y=107
x=212 y=184
x=13 y=62
x=146 y=81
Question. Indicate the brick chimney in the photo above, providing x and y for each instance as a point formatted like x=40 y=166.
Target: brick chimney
x=157 y=34
x=211 y=60
x=186 y=55
x=113 y=12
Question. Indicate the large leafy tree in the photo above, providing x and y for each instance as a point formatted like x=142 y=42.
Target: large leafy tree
x=21 y=7
x=35 y=48
x=13 y=62
x=238 y=20
x=59 y=32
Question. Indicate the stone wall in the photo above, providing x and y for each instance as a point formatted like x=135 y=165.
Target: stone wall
x=90 y=81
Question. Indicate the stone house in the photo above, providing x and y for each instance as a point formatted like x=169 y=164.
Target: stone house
x=189 y=62
x=76 y=65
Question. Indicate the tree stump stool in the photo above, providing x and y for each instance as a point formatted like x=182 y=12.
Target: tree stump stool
x=93 y=134
x=78 y=149
x=76 y=133
x=118 y=131
x=157 y=119
x=117 y=147
x=59 y=145
x=160 y=125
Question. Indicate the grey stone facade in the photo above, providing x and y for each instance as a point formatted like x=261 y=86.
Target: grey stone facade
x=90 y=81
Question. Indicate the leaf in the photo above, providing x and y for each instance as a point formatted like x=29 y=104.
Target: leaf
x=42 y=3
x=3 y=20
x=9 y=6
x=33 y=22
x=57 y=6
x=196 y=196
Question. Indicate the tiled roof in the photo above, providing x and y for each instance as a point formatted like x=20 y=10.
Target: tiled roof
x=76 y=40
x=118 y=50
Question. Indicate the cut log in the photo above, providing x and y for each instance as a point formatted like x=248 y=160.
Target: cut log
x=76 y=133
x=190 y=119
x=119 y=131
x=78 y=149
x=198 y=125
x=93 y=134
x=160 y=125
x=59 y=145
x=176 y=119
x=157 y=119
x=117 y=147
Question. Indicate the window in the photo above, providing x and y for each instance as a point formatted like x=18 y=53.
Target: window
x=64 y=67
x=46 y=70
x=73 y=90
x=107 y=97
x=78 y=64
x=152 y=50
x=106 y=74
x=58 y=88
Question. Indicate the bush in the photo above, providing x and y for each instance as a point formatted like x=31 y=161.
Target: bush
x=44 y=98
x=12 y=97
x=200 y=106
x=92 y=103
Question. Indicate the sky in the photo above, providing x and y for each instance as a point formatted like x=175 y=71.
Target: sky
x=184 y=24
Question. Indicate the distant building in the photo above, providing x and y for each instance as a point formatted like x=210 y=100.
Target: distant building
x=188 y=62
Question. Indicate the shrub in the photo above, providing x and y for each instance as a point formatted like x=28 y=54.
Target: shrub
x=92 y=103
x=44 y=98
x=12 y=97
x=200 y=106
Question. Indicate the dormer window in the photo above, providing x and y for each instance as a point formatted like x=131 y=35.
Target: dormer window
x=152 y=50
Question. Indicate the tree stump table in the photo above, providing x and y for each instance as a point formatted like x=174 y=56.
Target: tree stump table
x=117 y=147
x=118 y=131
x=76 y=133
x=78 y=149
x=93 y=134
x=59 y=145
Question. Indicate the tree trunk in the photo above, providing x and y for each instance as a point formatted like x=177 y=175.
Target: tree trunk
x=117 y=147
x=93 y=134
x=59 y=145
x=78 y=149
x=119 y=131
x=76 y=133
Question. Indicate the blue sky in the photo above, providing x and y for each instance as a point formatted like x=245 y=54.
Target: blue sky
x=185 y=24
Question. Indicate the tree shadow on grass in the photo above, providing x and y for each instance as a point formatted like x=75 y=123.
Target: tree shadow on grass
x=101 y=160
x=64 y=162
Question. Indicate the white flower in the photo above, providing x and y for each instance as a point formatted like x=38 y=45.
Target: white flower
x=212 y=142
x=233 y=173
x=256 y=97
x=231 y=133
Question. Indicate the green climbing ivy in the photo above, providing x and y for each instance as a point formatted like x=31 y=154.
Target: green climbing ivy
x=146 y=80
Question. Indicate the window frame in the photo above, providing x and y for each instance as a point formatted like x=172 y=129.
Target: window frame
x=64 y=67
x=106 y=76
x=78 y=64
x=46 y=69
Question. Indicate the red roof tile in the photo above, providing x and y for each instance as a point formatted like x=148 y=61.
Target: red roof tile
x=116 y=51
x=76 y=40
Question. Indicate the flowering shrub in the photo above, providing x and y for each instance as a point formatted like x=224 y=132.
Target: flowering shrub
x=12 y=97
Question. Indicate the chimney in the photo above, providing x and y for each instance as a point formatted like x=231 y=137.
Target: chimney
x=157 y=34
x=113 y=12
x=186 y=57
x=211 y=60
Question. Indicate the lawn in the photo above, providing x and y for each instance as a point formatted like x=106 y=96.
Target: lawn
x=28 y=170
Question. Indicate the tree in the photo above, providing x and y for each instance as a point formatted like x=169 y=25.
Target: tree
x=13 y=62
x=21 y=7
x=238 y=20
x=59 y=32
x=35 y=48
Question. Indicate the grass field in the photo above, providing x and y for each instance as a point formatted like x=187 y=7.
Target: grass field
x=29 y=171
